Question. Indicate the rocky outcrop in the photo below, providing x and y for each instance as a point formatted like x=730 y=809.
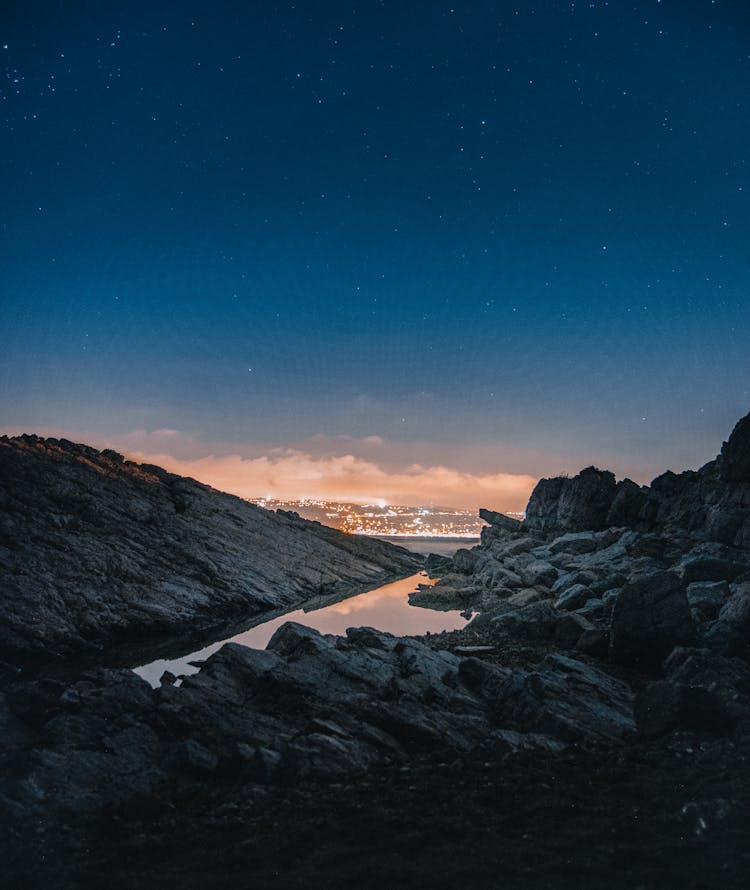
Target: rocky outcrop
x=310 y=705
x=572 y=505
x=95 y=550
x=712 y=503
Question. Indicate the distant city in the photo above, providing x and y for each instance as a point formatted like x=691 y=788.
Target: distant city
x=385 y=519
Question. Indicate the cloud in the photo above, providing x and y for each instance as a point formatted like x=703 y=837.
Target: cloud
x=290 y=474
x=364 y=469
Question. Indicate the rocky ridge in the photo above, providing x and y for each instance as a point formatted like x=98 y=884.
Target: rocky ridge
x=97 y=550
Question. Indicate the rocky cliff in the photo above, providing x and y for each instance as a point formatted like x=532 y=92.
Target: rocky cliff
x=95 y=549
x=711 y=504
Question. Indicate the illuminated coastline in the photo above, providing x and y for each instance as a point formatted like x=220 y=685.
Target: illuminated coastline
x=381 y=519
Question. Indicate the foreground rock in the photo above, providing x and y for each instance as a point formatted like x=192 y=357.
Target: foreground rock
x=310 y=705
x=95 y=549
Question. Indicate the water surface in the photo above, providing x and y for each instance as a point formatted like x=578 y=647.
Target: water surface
x=441 y=546
x=384 y=608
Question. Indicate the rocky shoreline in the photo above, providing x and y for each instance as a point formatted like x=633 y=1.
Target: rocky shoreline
x=590 y=725
x=97 y=551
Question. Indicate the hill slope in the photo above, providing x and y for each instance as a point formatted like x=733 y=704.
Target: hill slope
x=96 y=549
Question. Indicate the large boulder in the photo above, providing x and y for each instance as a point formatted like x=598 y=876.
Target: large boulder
x=578 y=504
x=735 y=453
x=650 y=617
x=534 y=621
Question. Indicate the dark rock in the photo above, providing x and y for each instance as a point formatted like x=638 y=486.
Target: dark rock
x=499 y=575
x=736 y=610
x=594 y=642
x=565 y=699
x=649 y=545
x=196 y=757
x=665 y=706
x=708 y=596
x=538 y=572
x=569 y=628
x=465 y=561
x=578 y=504
x=735 y=453
x=593 y=608
x=435 y=564
x=574 y=597
x=512 y=741
x=500 y=520
x=367 y=638
x=706 y=568
x=569 y=579
x=574 y=543
x=712 y=503
x=474 y=672
x=628 y=504
x=71 y=698
x=535 y=621
x=651 y=616
x=724 y=523
x=98 y=551
x=524 y=597
x=725 y=639
x=264 y=764
x=729 y=678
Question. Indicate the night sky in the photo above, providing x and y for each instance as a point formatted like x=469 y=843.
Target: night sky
x=485 y=238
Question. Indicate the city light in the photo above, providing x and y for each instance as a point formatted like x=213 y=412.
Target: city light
x=382 y=519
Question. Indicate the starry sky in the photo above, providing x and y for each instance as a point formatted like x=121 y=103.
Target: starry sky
x=326 y=246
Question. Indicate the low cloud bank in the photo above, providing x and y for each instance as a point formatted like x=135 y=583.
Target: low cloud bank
x=291 y=474
x=362 y=470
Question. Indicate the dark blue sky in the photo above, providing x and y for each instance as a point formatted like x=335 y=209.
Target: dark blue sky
x=516 y=226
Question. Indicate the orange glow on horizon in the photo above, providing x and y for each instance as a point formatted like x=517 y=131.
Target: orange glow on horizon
x=296 y=475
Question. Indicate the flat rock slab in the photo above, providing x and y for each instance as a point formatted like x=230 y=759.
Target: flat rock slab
x=473 y=650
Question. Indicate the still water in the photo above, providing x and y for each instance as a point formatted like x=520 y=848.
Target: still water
x=385 y=608
x=440 y=546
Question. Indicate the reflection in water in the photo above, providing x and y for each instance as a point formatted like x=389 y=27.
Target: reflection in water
x=385 y=608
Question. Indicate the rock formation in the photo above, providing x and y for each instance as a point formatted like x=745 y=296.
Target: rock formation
x=611 y=648
x=96 y=550
x=712 y=503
